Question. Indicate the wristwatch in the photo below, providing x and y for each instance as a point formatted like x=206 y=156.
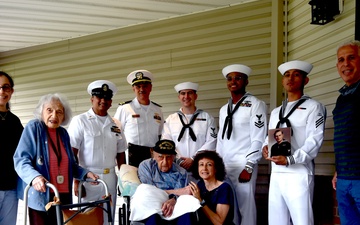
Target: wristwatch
x=172 y=196
x=248 y=169
x=203 y=203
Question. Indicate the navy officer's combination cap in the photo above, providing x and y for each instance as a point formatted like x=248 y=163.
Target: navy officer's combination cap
x=138 y=76
x=102 y=88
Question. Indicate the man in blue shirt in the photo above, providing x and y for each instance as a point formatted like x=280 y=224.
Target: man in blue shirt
x=346 y=180
x=161 y=172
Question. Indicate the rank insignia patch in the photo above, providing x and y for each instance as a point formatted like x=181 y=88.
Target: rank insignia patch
x=115 y=129
x=139 y=75
x=259 y=123
x=105 y=87
x=157 y=116
x=246 y=104
x=213 y=134
x=319 y=121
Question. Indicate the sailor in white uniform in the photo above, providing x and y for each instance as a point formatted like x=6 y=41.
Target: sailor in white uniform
x=141 y=119
x=292 y=177
x=242 y=130
x=98 y=142
x=191 y=129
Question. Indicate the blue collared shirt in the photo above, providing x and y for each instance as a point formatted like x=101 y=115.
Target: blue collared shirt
x=175 y=178
x=348 y=90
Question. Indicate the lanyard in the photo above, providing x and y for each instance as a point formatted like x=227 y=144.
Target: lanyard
x=57 y=150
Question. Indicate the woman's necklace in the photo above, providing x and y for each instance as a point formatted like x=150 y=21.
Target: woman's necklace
x=3 y=117
x=212 y=186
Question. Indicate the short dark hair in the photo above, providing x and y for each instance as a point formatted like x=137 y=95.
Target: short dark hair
x=218 y=161
x=2 y=73
x=277 y=131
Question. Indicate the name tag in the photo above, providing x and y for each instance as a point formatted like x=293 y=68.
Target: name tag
x=201 y=119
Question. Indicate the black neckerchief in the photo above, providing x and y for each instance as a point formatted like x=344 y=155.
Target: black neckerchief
x=185 y=126
x=228 y=119
x=285 y=119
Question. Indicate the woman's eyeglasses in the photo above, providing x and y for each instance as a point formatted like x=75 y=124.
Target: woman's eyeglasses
x=6 y=88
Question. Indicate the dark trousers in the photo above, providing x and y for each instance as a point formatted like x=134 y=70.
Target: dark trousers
x=137 y=154
x=155 y=219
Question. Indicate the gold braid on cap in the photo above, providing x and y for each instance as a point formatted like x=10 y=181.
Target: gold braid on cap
x=139 y=77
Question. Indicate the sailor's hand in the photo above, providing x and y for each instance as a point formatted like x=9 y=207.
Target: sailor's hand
x=244 y=176
x=279 y=160
x=265 y=152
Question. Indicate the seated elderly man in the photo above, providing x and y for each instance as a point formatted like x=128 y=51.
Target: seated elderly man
x=160 y=173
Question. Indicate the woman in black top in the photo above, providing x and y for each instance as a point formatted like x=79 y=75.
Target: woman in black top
x=10 y=132
x=215 y=195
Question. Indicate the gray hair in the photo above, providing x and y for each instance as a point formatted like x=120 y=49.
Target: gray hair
x=351 y=43
x=47 y=99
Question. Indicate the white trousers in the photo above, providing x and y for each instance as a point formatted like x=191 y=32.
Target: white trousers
x=96 y=192
x=245 y=194
x=290 y=195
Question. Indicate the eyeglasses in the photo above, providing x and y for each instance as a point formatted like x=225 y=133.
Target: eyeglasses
x=236 y=78
x=6 y=88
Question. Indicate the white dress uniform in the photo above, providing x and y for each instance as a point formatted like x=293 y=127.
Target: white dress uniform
x=98 y=140
x=244 y=146
x=291 y=186
x=141 y=126
x=204 y=128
